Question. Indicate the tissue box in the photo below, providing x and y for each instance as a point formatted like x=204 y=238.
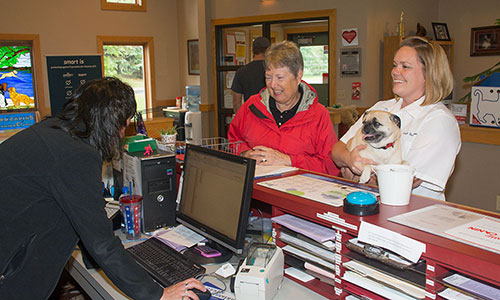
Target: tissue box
x=485 y=106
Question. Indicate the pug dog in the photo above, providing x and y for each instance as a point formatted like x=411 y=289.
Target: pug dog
x=381 y=132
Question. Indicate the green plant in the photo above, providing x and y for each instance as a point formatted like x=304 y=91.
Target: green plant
x=473 y=80
x=170 y=131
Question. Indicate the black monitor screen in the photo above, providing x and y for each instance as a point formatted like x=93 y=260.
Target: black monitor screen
x=216 y=195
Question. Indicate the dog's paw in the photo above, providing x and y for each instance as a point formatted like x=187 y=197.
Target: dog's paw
x=365 y=177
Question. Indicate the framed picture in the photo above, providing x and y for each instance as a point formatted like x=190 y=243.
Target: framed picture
x=485 y=41
x=193 y=57
x=441 y=32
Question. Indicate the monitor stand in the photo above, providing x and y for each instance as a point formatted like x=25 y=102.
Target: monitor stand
x=196 y=257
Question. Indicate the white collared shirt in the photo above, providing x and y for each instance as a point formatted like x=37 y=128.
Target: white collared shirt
x=430 y=141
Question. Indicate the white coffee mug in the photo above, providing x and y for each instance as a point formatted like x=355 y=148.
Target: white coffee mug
x=395 y=183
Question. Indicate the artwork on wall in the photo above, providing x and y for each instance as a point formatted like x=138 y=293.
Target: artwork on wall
x=485 y=41
x=16 y=78
x=441 y=32
x=193 y=57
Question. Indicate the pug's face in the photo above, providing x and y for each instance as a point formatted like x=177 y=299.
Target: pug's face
x=380 y=127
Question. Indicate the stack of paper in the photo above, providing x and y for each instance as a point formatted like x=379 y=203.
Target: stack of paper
x=387 y=280
x=311 y=230
x=265 y=171
x=179 y=237
x=473 y=286
x=375 y=287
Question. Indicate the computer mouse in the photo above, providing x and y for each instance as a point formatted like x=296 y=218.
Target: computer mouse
x=202 y=295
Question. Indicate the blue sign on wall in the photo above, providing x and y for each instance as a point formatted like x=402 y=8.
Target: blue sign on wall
x=67 y=73
x=16 y=121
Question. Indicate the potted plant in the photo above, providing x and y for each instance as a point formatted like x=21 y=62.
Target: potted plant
x=169 y=136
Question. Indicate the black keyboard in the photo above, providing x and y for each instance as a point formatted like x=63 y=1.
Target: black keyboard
x=164 y=264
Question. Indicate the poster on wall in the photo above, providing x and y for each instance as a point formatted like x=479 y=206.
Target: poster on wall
x=241 y=48
x=350 y=37
x=66 y=73
x=356 y=91
x=16 y=78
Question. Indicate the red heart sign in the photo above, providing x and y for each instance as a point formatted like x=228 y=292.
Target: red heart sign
x=349 y=36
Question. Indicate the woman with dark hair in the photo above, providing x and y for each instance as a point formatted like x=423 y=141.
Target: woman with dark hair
x=51 y=198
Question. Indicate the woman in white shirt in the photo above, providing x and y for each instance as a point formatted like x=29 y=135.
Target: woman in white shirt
x=430 y=134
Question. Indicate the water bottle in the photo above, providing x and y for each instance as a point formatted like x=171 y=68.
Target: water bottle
x=193 y=97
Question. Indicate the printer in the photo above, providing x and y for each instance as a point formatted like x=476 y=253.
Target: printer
x=261 y=273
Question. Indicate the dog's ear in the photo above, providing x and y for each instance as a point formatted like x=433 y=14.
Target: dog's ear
x=396 y=120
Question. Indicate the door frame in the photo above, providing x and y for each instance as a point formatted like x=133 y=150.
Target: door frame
x=328 y=14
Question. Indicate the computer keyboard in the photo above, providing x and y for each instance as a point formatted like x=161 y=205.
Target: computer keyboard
x=164 y=264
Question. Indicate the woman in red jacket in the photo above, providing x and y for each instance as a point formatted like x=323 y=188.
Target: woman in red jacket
x=284 y=124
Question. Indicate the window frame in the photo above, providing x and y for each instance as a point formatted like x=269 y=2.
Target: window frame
x=140 y=5
x=149 y=71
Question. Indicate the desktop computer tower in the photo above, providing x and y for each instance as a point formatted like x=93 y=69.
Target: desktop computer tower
x=154 y=178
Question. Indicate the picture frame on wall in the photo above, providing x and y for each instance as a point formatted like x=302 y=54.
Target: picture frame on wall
x=193 y=57
x=441 y=32
x=485 y=41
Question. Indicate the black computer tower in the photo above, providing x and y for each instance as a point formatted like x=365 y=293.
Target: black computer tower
x=154 y=178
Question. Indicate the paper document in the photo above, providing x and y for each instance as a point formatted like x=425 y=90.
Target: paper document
x=315 y=187
x=409 y=248
x=264 y=171
x=375 y=287
x=454 y=295
x=323 y=253
x=300 y=275
x=307 y=256
x=457 y=224
x=181 y=235
x=475 y=287
x=378 y=276
x=312 y=230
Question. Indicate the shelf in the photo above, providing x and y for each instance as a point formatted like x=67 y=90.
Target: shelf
x=481 y=135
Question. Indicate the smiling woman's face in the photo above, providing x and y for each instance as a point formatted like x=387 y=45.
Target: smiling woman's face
x=408 y=75
x=282 y=84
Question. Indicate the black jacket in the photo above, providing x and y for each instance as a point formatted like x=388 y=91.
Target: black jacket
x=50 y=198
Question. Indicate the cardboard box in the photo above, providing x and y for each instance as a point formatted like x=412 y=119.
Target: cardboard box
x=485 y=106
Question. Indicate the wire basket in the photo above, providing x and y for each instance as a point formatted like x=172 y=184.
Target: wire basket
x=221 y=144
x=214 y=143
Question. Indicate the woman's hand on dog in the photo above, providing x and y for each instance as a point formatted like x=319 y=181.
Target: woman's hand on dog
x=267 y=156
x=356 y=162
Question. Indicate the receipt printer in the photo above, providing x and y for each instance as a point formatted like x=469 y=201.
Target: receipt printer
x=261 y=273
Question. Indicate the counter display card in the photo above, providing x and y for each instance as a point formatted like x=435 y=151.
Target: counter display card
x=67 y=73
x=457 y=224
x=317 y=188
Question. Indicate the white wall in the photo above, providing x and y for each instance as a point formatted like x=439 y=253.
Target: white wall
x=476 y=179
x=71 y=26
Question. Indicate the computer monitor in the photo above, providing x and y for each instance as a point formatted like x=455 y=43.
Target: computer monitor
x=216 y=195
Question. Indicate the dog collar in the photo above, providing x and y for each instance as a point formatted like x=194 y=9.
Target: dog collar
x=387 y=146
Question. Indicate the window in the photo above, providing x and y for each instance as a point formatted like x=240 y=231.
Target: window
x=130 y=60
x=134 y=5
x=315 y=63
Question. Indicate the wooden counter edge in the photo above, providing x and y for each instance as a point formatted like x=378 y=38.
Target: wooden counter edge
x=482 y=135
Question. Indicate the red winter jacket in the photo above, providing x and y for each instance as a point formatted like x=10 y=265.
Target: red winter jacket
x=307 y=138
